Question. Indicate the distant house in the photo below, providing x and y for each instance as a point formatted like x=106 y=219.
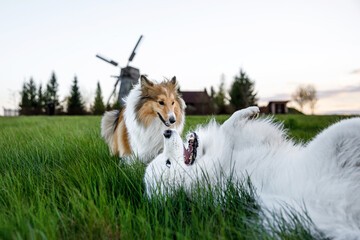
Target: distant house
x=197 y=103
x=11 y=112
x=275 y=107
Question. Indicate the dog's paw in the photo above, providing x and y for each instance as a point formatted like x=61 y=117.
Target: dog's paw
x=253 y=112
x=250 y=112
x=241 y=116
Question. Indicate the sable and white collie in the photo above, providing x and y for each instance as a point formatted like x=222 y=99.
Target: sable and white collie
x=323 y=176
x=150 y=109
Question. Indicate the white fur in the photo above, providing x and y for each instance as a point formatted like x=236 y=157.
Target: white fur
x=145 y=142
x=108 y=127
x=323 y=176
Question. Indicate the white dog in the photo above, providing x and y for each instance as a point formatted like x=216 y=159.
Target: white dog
x=323 y=176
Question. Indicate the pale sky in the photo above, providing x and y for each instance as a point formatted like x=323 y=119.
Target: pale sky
x=280 y=44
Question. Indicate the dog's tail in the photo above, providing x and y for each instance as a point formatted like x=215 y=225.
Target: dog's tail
x=109 y=123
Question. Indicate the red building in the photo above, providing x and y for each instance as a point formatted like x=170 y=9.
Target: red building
x=197 y=103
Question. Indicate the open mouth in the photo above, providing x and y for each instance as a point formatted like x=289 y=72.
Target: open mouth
x=191 y=151
x=162 y=119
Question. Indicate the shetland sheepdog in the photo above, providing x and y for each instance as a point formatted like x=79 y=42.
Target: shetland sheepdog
x=150 y=109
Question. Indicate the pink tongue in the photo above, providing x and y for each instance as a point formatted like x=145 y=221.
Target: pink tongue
x=187 y=156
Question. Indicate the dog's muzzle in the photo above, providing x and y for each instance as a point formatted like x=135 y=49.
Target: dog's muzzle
x=167 y=133
x=163 y=120
x=172 y=120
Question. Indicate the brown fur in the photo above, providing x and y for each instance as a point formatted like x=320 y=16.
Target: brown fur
x=147 y=109
x=121 y=143
x=148 y=106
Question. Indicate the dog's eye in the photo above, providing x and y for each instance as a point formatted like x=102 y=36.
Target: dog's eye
x=168 y=163
x=172 y=103
x=161 y=103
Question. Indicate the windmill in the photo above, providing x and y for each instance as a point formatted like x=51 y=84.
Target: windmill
x=128 y=75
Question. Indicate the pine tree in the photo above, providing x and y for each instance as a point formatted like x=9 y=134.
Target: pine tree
x=40 y=100
x=75 y=104
x=213 y=106
x=108 y=107
x=116 y=104
x=98 y=107
x=28 y=94
x=212 y=93
x=242 y=92
x=221 y=96
x=51 y=91
x=32 y=93
x=25 y=103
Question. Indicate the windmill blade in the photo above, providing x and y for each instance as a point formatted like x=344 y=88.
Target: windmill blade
x=117 y=82
x=134 y=51
x=107 y=60
x=108 y=101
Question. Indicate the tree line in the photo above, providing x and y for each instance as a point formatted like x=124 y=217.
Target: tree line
x=240 y=95
x=38 y=101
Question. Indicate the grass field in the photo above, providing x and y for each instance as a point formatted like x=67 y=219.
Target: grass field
x=58 y=181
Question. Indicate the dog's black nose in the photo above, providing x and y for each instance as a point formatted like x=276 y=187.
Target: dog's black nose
x=167 y=133
x=172 y=120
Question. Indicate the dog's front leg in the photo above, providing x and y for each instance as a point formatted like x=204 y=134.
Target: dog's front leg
x=240 y=117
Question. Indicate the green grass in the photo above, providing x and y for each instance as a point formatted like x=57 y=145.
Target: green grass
x=58 y=181
x=303 y=128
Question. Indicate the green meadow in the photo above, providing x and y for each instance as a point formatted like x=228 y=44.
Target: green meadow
x=58 y=181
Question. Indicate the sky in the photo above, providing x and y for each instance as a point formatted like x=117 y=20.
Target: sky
x=279 y=44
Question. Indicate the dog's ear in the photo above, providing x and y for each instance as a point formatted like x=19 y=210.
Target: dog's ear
x=145 y=83
x=174 y=82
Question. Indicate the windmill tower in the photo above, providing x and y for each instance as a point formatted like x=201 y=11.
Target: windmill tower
x=127 y=78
